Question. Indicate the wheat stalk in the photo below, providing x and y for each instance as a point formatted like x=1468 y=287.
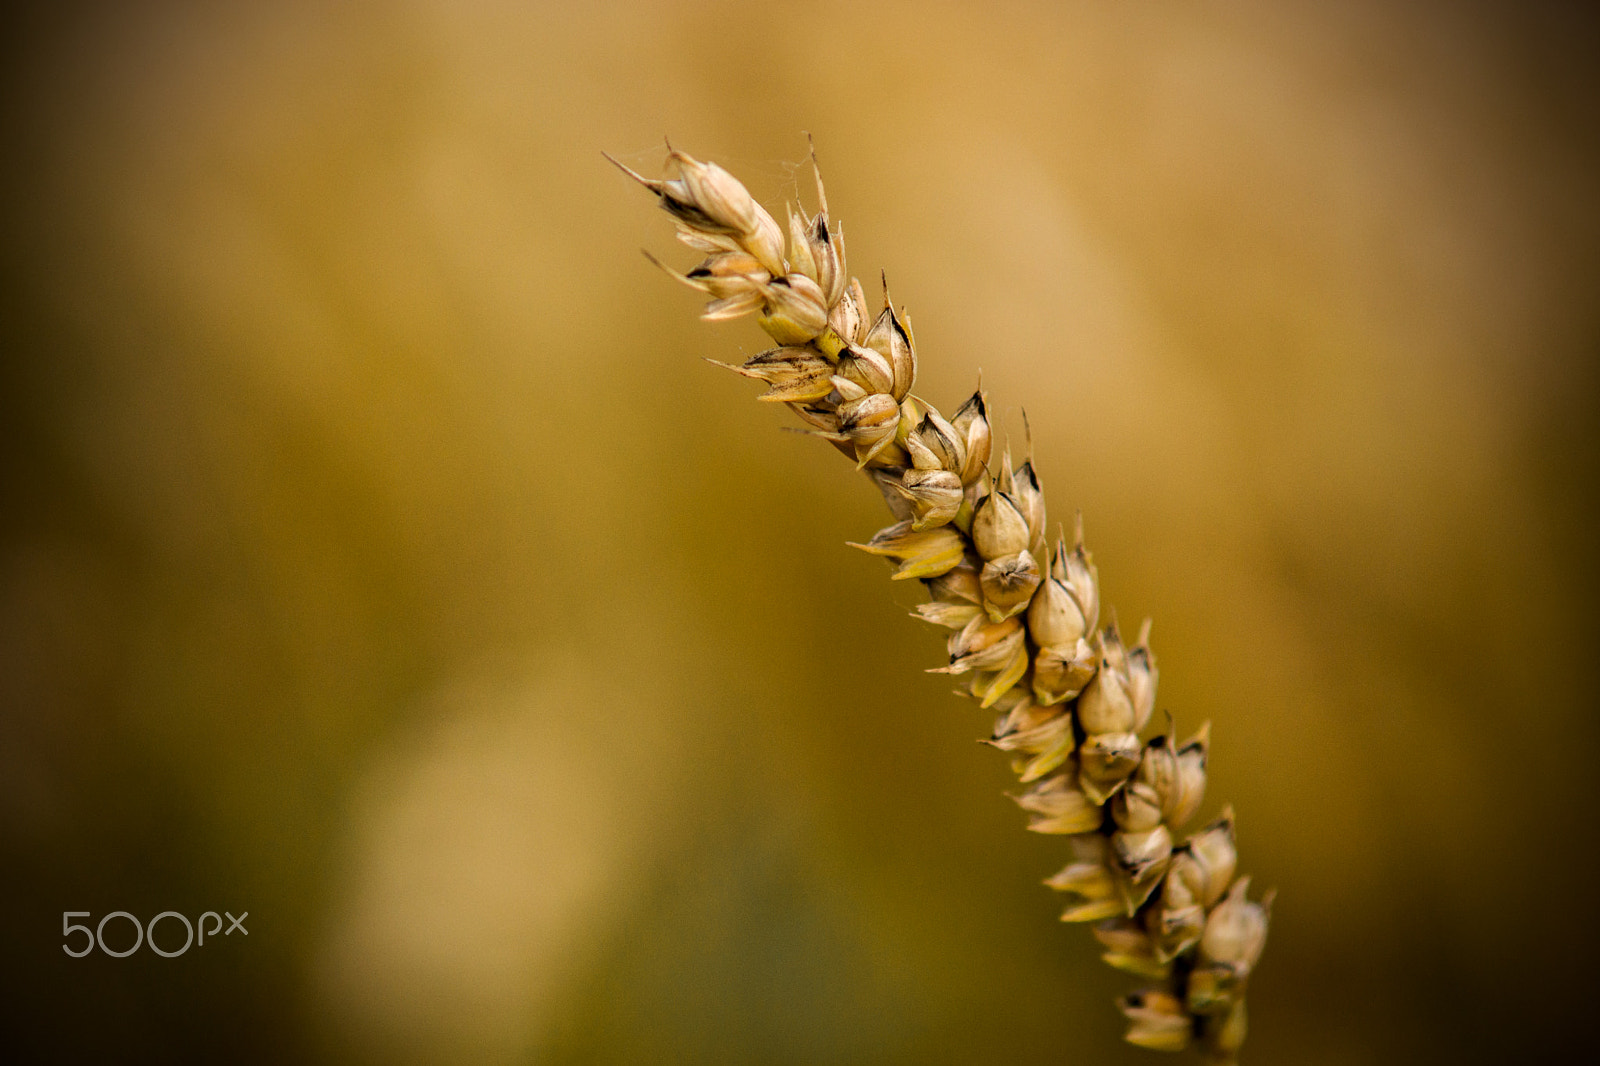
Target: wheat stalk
x=1071 y=698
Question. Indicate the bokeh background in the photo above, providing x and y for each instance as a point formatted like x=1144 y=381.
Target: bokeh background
x=380 y=558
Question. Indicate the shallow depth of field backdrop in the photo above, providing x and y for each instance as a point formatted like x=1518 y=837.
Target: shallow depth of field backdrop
x=380 y=558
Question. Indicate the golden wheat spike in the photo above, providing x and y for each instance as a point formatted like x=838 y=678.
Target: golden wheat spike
x=1072 y=698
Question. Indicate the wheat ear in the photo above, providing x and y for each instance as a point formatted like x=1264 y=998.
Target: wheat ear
x=1071 y=698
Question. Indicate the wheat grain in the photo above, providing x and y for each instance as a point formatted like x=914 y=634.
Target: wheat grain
x=1072 y=699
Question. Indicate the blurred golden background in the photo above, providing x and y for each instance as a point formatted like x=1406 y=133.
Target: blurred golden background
x=379 y=557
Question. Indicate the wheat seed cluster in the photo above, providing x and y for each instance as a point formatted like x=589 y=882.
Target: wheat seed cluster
x=1072 y=699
